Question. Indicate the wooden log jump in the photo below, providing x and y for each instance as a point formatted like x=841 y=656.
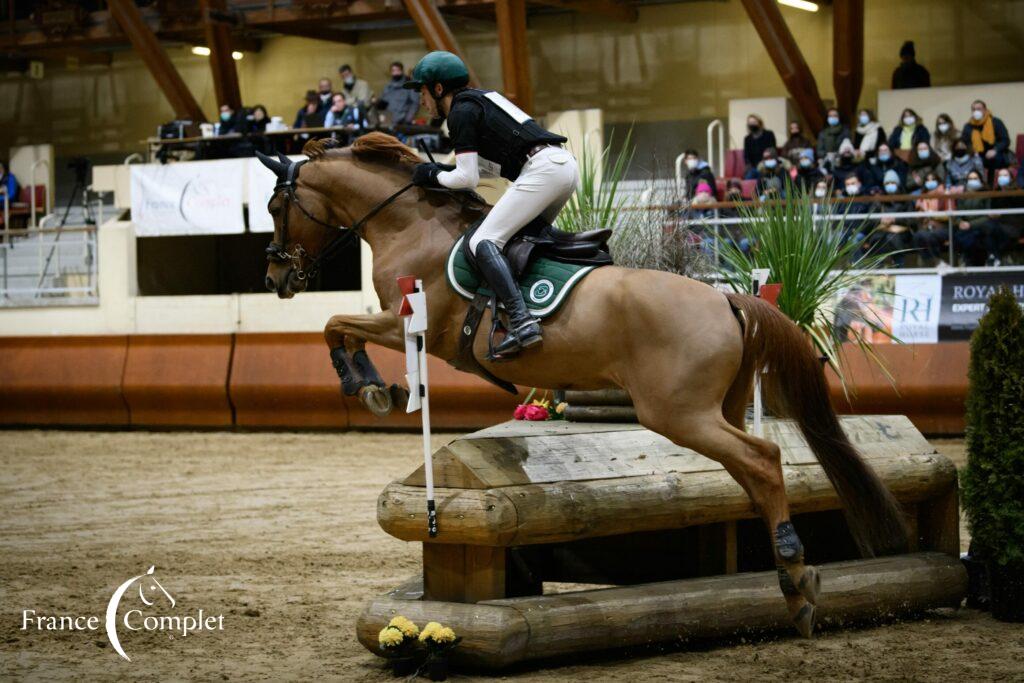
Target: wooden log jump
x=523 y=504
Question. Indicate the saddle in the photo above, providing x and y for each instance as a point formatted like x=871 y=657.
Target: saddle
x=538 y=241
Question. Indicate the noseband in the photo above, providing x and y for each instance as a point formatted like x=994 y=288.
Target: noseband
x=276 y=251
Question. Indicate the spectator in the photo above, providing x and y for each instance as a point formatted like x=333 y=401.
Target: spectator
x=704 y=194
x=832 y=135
x=401 y=104
x=258 y=119
x=733 y=232
x=757 y=140
x=908 y=132
x=932 y=232
x=796 y=143
x=944 y=137
x=300 y=116
x=336 y=114
x=845 y=165
x=8 y=183
x=357 y=91
x=961 y=163
x=855 y=224
x=910 y=74
x=978 y=238
x=821 y=189
x=924 y=162
x=883 y=162
x=987 y=137
x=312 y=115
x=230 y=121
x=807 y=173
x=893 y=235
x=869 y=136
x=1012 y=225
x=773 y=174
x=697 y=170
x=325 y=94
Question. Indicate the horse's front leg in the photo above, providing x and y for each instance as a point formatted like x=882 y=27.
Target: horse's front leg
x=346 y=337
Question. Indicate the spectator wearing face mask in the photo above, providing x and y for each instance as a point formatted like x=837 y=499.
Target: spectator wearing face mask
x=832 y=135
x=894 y=234
x=869 y=136
x=884 y=162
x=909 y=131
x=910 y=74
x=822 y=189
x=1012 y=225
x=923 y=163
x=324 y=93
x=796 y=143
x=855 y=224
x=697 y=171
x=757 y=140
x=945 y=137
x=932 y=232
x=978 y=239
x=230 y=121
x=987 y=137
x=357 y=91
x=845 y=165
x=807 y=172
x=960 y=164
x=400 y=103
x=773 y=173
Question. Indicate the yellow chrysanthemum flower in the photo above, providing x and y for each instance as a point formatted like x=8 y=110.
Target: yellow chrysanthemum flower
x=429 y=630
x=406 y=626
x=390 y=637
x=445 y=635
x=560 y=408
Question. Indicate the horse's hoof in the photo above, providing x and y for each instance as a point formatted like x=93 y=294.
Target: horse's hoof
x=399 y=395
x=376 y=399
x=810 y=584
x=805 y=619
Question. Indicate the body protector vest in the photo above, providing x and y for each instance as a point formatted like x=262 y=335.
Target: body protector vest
x=506 y=134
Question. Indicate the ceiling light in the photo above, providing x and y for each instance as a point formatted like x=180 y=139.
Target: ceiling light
x=800 y=4
x=201 y=51
x=236 y=55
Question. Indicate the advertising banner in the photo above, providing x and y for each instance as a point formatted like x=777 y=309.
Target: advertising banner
x=195 y=198
x=965 y=298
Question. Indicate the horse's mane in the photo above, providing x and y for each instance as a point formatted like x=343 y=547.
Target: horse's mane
x=373 y=145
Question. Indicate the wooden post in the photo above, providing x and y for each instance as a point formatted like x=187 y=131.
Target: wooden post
x=218 y=39
x=145 y=42
x=848 y=55
x=435 y=31
x=515 y=58
x=788 y=59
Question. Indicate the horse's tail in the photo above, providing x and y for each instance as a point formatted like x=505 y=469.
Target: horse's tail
x=793 y=385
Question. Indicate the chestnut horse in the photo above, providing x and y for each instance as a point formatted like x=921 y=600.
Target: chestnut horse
x=685 y=352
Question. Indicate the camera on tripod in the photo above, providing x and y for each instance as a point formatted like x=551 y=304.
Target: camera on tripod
x=81 y=166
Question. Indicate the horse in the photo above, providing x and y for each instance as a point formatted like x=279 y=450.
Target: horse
x=685 y=352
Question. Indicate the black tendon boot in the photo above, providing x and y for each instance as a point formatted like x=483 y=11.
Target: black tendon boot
x=523 y=329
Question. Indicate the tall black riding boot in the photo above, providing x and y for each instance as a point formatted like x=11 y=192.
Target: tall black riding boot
x=524 y=329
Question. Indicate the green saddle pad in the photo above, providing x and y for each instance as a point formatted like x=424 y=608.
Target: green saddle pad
x=545 y=285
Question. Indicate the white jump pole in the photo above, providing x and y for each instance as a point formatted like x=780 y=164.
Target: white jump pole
x=414 y=316
x=758 y=278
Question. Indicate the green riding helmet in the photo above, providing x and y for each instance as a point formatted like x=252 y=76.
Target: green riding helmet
x=439 y=67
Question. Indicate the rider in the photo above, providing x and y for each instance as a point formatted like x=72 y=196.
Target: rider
x=492 y=135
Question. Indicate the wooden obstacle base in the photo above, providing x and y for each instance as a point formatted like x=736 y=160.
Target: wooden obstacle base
x=521 y=504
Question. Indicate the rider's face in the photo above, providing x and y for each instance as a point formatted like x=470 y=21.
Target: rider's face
x=428 y=102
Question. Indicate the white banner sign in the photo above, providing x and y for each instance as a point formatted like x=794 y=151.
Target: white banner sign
x=915 y=315
x=193 y=198
x=261 y=187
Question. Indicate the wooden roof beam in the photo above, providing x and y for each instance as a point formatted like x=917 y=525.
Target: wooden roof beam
x=435 y=31
x=218 y=39
x=606 y=8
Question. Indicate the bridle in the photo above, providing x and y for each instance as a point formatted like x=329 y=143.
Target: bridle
x=276 y=251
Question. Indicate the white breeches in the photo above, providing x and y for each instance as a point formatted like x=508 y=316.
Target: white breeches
x=545 y=184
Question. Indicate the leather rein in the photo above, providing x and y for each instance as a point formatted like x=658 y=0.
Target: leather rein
x=277 y=252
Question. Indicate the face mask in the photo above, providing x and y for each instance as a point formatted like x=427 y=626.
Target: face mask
x=225 y=116
x=974 y=184
x=846 y=158
x=923 y=153
x=691 y=164
x=396 y=77
x=794 y=133
x=770 y=163
x=884 y=156
x=864 y=119
x=350 y=80
x=753 y=127
x=892 y=188
x=819 y=192
x=931 y=184
x=943 y=127
x=833 y=120
x=909 y=120
x=1003 y=180
x=852 y=190
x=977 y=114
x=805 y=163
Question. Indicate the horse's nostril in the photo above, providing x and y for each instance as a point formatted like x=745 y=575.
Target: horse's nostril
x=270 y=283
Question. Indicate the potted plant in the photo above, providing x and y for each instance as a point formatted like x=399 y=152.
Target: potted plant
x=993 y=480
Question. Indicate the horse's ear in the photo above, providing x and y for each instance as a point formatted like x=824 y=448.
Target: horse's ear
x=280 y=169
x=283 y=158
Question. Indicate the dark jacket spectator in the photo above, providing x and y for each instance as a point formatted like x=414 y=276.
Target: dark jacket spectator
x=772 y=174
x=910 y=74
x=893 y=234
x=1013 y=224
x=697 y=171
x=832 y=135
x=258 y=119
x=796 y=143
x=8 y=183
x=231 y=121
x=325 y=94
x=909 y=131
x=944 y=136
x=987 y=136
x=854 y=222
x=961 y=163
x=400 y=103
x=755 y=143
x=869 y=134
x=807 y=172
x=313 y=118
x=923 y=163
x=884 y=161
x=845 y=165
x=312 y=104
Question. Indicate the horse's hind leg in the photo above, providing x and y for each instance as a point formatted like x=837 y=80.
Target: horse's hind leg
x=756 y=464
x=346 y=337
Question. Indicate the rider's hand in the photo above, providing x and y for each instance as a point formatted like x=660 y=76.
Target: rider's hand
x=425 y=174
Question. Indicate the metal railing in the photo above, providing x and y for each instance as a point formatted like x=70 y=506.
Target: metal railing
x=49 y=267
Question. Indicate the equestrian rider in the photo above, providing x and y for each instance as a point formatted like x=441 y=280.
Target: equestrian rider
x=493 y=136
